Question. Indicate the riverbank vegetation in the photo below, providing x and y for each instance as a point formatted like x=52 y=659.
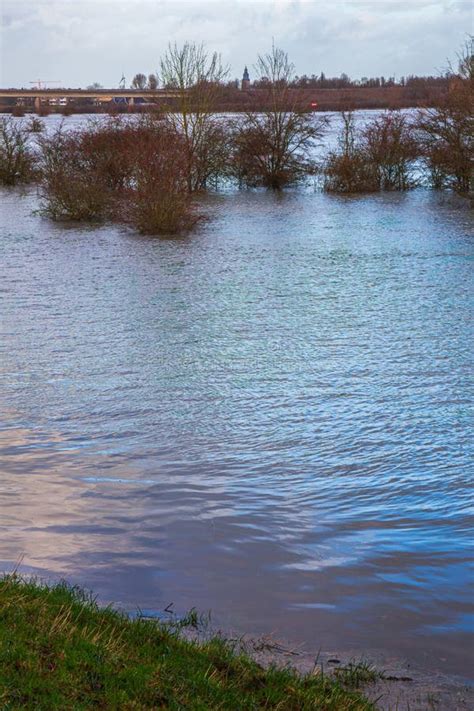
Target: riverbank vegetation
x=146 y=170
x=59 y=650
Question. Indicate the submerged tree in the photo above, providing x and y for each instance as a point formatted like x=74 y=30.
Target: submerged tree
x=139 y=81
x=16 y=157
x=134 y=172
x=447 y=129
x=347 y=170
x=196 y=77
x=391 y=149
x=152 y=82
x=379 y=156
x=273 y=146
x=71 y=188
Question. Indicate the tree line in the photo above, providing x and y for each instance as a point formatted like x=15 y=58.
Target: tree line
x=151 y=82
x=147 y=170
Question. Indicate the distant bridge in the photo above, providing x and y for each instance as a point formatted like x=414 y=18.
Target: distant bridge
x=129 y=96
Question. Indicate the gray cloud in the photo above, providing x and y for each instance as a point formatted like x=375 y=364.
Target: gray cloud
x=80 y=41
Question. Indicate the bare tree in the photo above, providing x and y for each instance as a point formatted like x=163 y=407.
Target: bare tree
x=465 y=56
x=196 y=77
x=139 y=81
x=152 y=82
x=273 y=146
x=447 y=129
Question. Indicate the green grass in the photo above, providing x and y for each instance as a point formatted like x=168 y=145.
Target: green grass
x=357 y=674
x=59 y=650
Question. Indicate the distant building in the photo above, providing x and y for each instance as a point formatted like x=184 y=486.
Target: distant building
x=246 y=80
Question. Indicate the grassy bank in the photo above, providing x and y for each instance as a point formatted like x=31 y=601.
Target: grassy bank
x=59 y=650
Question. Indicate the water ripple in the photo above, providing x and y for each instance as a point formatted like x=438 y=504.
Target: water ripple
x=270 y=419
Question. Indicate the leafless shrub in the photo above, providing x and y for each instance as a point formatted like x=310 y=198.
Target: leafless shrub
x=381 y=156
x=152 y=82
x=70 y=187
x=34 y=125
x=66 y=110
x=446 y=134
x=391 y=148
x=17 y=163
x=139 y=81
x=160 y=203
x=156 y=199
x=136 y=173
x=347 y=169
x=105 y=147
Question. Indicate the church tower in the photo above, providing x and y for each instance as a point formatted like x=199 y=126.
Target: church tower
x=245 y=80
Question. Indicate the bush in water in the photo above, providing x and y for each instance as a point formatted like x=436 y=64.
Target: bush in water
x=17 y=162
x=379 y=156
x=131 y=172
x=347 y=170
x=446 y=132
x=70 y=187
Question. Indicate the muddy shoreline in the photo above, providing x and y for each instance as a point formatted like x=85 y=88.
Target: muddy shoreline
x=399 y=685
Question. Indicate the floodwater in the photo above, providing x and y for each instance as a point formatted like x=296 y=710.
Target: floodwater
x=268 y=419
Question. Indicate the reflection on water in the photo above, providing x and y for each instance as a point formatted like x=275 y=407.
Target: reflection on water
x=268 y=419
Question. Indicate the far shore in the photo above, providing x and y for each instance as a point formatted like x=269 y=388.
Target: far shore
x=77 y=101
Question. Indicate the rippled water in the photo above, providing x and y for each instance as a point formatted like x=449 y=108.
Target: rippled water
x=268 y=419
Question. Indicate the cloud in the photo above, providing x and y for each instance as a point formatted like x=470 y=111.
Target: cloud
x=89 y=41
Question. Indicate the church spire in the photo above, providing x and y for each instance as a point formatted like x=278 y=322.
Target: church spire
x=246 y=79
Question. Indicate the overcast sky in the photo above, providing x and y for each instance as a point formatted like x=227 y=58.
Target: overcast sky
x=82 y=41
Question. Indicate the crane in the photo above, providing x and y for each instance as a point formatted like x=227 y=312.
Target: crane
x=39 y=83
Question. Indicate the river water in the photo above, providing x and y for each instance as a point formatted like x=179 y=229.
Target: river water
x=268 y=419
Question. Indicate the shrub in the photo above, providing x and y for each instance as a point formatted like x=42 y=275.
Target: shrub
x=391 y=149
x=154 y=209
x=348 y=170
x=66 y=110
x=381 y=156
x=158 y=200
x=350 y=173
x=446 y=134
x=16 y=158
x=105 y=147
x=132 y=172
x=18 y=111
x=34 y=125
x=70 y=189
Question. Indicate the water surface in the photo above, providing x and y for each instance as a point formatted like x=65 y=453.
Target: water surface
x=268 y=419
